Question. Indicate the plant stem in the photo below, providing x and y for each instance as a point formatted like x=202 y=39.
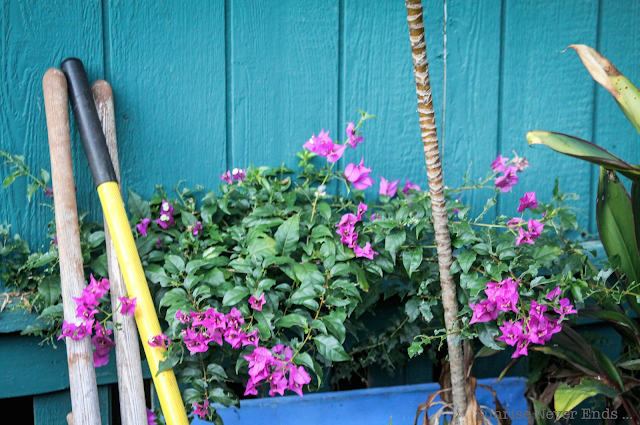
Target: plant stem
x=315 y=201
x=438 y=202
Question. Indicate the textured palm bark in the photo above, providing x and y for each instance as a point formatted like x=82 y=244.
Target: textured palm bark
x=436 y=188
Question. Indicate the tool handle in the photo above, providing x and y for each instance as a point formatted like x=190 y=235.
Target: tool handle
x=84 y=109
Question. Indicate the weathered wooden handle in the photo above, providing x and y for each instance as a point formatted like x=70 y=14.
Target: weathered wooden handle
x=130 y=386
x=82 y=376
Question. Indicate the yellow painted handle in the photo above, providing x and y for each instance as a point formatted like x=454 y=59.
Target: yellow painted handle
x=146 y=318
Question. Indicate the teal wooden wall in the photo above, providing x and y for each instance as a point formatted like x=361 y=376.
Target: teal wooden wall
x=205 y=86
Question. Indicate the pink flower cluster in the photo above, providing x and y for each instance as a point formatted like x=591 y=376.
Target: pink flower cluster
x=166 y=219
x=534 y=227
x=347 y=231
x=86 y=309
x=501 y=296
x=509 y=178
x=211 y=326
x=237 y=174
x=389 y=188
x=275 y=367
x=324 y=146
x=537 y=328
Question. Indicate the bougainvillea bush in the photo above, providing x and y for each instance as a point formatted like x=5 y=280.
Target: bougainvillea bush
x=262 y=284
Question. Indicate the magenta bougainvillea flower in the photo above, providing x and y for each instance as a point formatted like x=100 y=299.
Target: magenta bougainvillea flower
x=183 y=317
x=484 y=311
x=534 y=231
x=565 y=308
x=159 y=341
x=103 y=345
x=511 y=333
x=366 y=251
x=128 y=306
x=76 y=331
x=410 y=186
x=336 y=152
x=201 y=410
x=388 y=188
x=238 y=174
x=272 y=367
x=142 y=226
x=48 y=192
x=257 y=303
x=324 y=146
x=552 y=295
x=498 y=164
x=196 y=228
x=528 y=201
x=166 y=219
x=226 y=177
x=362 y=208
x=298 y=377
x=358 y=175
x=151 y=417
x=507 y=180
x=353 y=138
x=514 y=222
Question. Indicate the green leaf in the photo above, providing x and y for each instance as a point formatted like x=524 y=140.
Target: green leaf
x=50 y=289
x=262 y=246
x=138 y=206
x=156 y=274
x=566 y=397
x=415 y=349
x=394 y=241
x=614 y=216
x=31 y=189
x=330 y=348
x=341 y=269
x=324 y=209
x=174 y=264
x=486 y=333
x=412 y=260
x=635 y=207
x=545 y=254
x=466 y=259
x=361 y=275
x=630 y=365
x=581 y=149
x=293 y=319
x=603 y=71
x=608 y=366
x=235 y=295
x=541 y=410
x=96 y=239
x=335 y=324
x=176 y=296
x=168 y=363
x=216 y=371
x=287 y=236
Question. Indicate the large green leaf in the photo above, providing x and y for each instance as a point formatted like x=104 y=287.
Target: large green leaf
x=603 y=71
x=566 y=397
x=581 y=149
x=330 y=348
x=287 y=236
x=614 y=216
x=635 y=207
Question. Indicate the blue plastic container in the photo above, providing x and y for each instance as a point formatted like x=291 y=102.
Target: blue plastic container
x=364 y=407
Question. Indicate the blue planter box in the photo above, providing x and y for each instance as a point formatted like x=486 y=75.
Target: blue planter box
x=364 y=407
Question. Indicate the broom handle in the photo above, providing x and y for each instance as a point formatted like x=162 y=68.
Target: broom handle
x=82 y=375
x=130 y=385
x=106 y=184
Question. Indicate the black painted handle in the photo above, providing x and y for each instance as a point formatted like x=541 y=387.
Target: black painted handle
x=84 y=109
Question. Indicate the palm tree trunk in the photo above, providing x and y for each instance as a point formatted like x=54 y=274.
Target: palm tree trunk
x=436 y=188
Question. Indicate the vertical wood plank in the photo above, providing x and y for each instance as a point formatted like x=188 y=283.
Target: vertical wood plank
x=378 y=78
x=473 y=89
x=544 y=89
x=33 y=38
x=284 y=78
x=618 y=42
x=166 y=65
x=53 y=408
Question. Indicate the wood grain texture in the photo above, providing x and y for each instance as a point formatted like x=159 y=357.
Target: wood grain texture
x=34 y=36
x=378 y=78
x=30 y=368
x=473 y=89
x=52 y=408
x=618 y=42
x=544 y=89
x=130 y=386
x=82 y=378
x=166 y=64
x=284 y=81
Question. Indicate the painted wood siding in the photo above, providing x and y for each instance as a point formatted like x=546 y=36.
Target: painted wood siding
x=201 y=87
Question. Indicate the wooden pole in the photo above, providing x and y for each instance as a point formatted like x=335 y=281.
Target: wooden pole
x=438 y=203
x=130 y=386
x=82 y=375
